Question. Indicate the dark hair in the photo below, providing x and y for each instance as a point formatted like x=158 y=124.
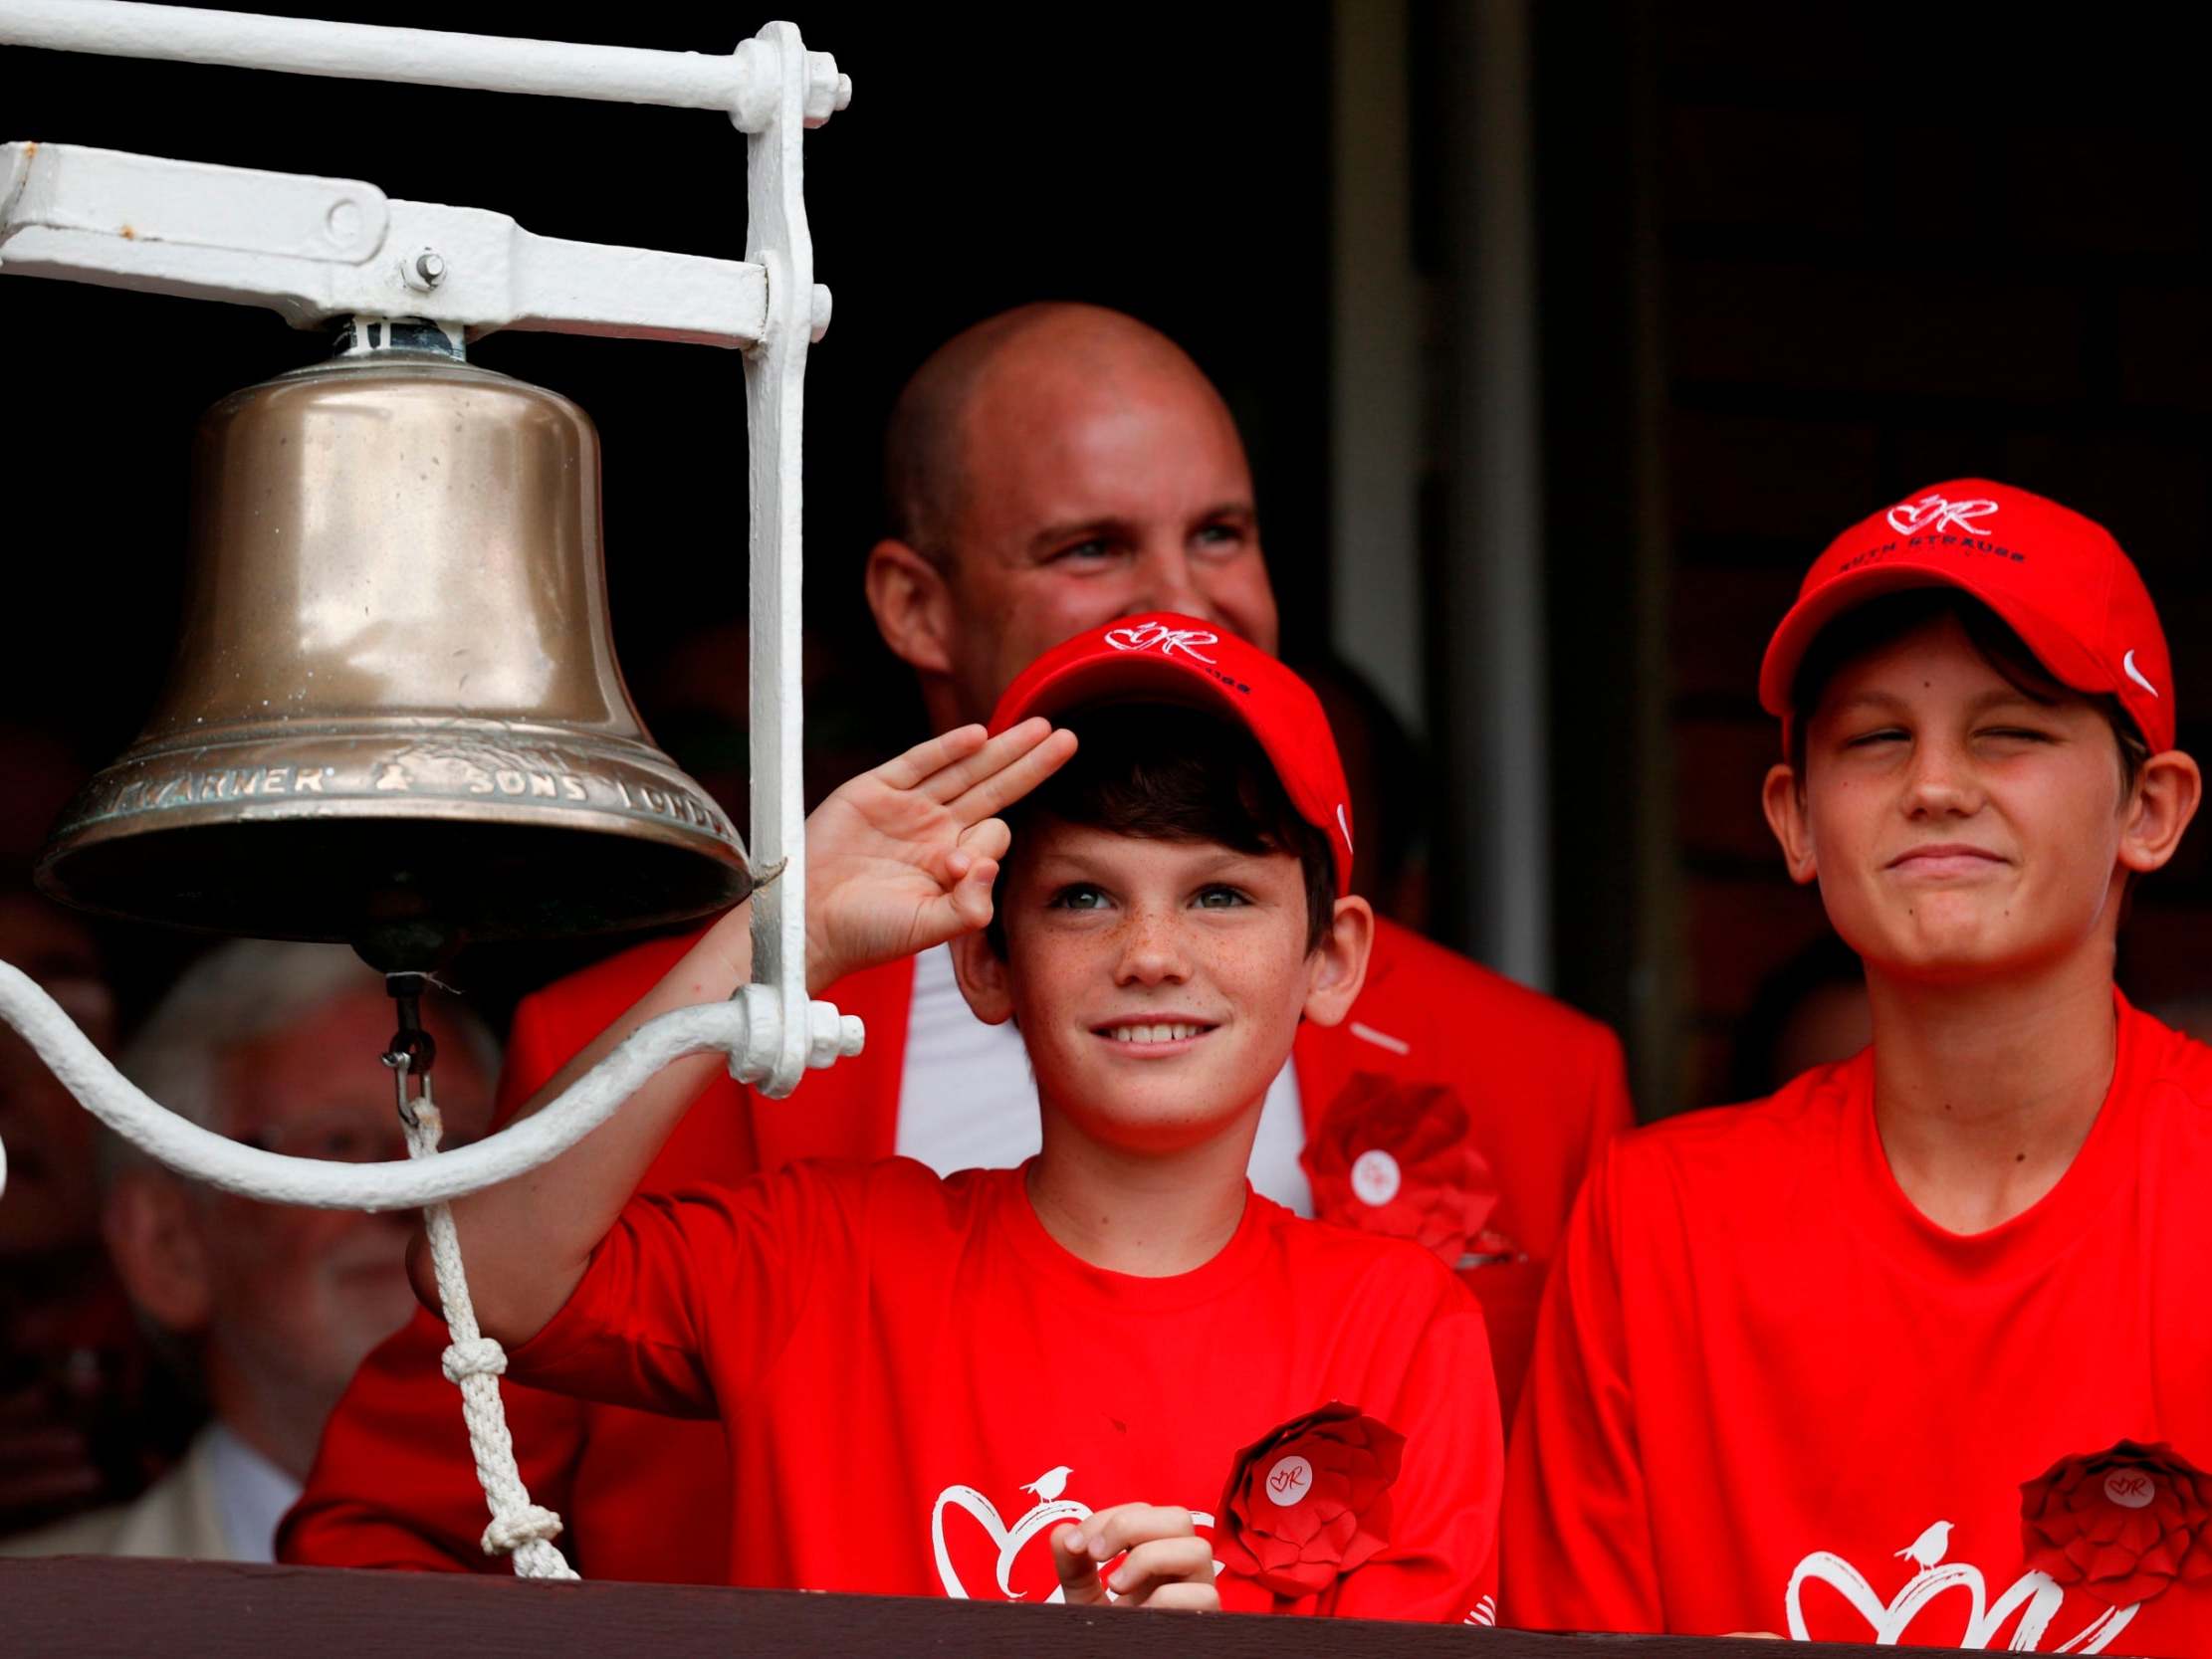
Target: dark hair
x=1883 y=621
x=1165 y=772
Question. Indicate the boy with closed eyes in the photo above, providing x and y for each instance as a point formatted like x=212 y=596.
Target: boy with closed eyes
x=1916 y=1349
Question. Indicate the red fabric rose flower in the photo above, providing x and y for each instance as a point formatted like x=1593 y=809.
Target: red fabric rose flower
x=2120 y=1524
x=1399 y=1159
x=1308 y=1502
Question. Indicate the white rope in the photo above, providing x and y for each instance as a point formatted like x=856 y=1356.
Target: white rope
x=474 y=1363
x=278 y=1179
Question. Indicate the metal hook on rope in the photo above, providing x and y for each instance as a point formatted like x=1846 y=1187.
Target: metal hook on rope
x=412 y=1049
x=415 y=1111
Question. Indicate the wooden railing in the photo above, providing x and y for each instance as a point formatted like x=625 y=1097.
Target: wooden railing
x=76 y=1608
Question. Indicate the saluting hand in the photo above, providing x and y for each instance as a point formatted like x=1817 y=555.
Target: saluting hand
x=902 y=858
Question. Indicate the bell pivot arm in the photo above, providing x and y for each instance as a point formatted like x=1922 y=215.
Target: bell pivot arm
x=745 y=83
x=316 y=249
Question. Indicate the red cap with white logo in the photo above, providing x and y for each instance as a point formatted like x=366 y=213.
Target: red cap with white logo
x=1166 y=658
x=2058 y=581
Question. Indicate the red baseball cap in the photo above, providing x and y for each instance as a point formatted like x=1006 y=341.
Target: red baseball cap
x=1166 y=658
x=2058 y=581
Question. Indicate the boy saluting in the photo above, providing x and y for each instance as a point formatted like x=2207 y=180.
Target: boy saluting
x=1115 y=1373
x=1918 y=1350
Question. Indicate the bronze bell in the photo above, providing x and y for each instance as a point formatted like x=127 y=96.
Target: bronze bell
x=395 y=717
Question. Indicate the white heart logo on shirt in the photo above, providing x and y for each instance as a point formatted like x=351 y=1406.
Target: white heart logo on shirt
x=1011 y=1540
x=2036 y=1596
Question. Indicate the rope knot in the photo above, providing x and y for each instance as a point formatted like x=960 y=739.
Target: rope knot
x=530 y=1523
x=424 y=1124
x=478 y=1356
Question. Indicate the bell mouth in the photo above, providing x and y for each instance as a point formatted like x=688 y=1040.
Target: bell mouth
x=406 y=892
x=401 y=841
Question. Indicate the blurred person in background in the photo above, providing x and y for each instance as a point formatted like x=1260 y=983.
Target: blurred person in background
x=2191 y=1015
x=1387 y=773
x=272 y=1306
x=78 y=1426
x=1811 y=1011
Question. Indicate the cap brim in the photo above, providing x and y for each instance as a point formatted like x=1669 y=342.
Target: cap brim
x=2054 y=645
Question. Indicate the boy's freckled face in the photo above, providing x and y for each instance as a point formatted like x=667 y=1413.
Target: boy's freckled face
x=1958 y=826
x=1158 y=985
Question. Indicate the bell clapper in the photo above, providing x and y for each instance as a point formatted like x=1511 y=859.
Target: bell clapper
x=473 y=1361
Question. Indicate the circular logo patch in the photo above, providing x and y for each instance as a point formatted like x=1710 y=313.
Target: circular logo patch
x=1289 y=1479
x=2130 y=1489
x=1374 y=1177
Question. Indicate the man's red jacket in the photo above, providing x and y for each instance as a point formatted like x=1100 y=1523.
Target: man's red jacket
x=645 y=1497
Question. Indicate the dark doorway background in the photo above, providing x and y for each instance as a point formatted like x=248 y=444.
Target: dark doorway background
x=1899 y=246
x=1792 y=262
x=990 y=156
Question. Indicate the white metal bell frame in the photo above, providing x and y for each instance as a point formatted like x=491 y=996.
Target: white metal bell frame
x=320 y=249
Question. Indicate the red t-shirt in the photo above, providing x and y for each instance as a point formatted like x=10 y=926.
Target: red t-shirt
x=917 y=1382
x=645 y=1495
x=1770 y=1394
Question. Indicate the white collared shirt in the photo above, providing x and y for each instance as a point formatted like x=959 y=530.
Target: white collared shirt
x=251 y=1495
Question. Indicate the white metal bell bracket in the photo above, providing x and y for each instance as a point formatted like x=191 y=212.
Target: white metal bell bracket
x=315 y=249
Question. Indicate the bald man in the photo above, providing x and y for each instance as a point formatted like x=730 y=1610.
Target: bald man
x=1050 y=469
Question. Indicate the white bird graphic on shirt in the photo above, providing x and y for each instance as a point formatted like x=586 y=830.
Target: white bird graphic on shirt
x=1050 y=1484
x=1926 y=1550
